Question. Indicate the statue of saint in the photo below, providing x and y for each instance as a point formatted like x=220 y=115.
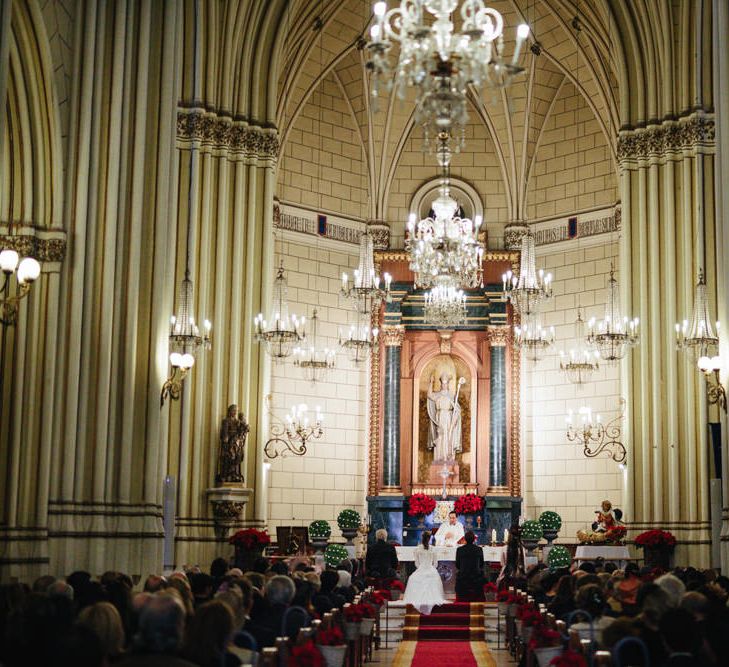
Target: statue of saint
x=233 y=434
x=444 y=434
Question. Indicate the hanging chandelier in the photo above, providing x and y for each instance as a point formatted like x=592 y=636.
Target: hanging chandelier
x=445 y=303
x=445 y=244
x=439 y=61
x=282 y=331
x=365 y=290
x=579 y=364
x=615 y=334
x=532 y=338
x=697 y=337
x=315 y=361
x=359 y=340
x=26 y=273
x=185 y=341
x=530 y=288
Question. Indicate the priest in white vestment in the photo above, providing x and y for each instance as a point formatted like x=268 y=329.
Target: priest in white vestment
x=449 y=534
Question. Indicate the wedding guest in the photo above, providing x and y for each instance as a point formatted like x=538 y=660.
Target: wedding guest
x=627 y=590
x=564 y=601
x=682 y=638
x=591 y=599
x=208 y=634
x=104 y=621
x=381 y=560
x=201 y=585
x=279 y=592
x=674 y=587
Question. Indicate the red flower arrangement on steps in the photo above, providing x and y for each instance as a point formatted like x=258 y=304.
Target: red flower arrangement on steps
x=419 y=504
x=397 y=585
x=306 y=655
x=250 y=538
x=354 y=613
x=332 y=637
x=469 y=503
x=655 y=538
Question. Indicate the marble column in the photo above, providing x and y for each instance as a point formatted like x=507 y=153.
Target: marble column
x=498 y=441
x=393 y=337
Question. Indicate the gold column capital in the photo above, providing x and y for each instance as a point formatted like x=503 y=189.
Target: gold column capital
x=393 y=335
x=498 y=336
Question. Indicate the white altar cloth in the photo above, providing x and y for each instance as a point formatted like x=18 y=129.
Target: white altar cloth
x=592 y=551
x=445 y=554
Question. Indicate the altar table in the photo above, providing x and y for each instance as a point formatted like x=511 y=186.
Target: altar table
x=590 y=552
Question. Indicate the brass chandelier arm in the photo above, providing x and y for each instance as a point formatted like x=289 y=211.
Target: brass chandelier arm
x=716 y=392
x=172 y=388
x=601 y=438
x=9 y=313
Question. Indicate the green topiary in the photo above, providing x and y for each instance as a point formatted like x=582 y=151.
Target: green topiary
x=348 y=519
x=531 y=530
x=319 y=529
x=559 y=558
x=335 y=554
x=550 y=520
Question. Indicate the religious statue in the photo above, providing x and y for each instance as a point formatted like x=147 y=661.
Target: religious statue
x=606 y=528
x=444 y=432
x=233 y=434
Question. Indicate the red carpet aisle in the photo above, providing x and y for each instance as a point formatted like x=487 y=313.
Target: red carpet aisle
x=428 y=654
x=461 y=621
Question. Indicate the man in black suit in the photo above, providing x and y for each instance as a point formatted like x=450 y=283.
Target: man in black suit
x=381 y=560
x=469 y=563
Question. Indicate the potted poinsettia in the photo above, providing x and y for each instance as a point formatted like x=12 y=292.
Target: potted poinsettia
x=353 y=615
x=469 y=505
x=397 y=588
x=658 y=546
x=545 y=643
x=249 y=545
x=490 y=591
x=332 y=646
x=307 y=655
x=367 y=624
x=420 y=505
x=505 y=599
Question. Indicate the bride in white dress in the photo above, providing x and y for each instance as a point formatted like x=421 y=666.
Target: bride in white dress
x=425 y=589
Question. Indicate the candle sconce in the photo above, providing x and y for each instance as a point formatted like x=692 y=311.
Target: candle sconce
x=290 y=438
x=597 y=438
x=715 y=390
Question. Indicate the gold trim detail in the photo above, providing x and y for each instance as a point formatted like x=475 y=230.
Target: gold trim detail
x=515 y=435
x=28 y=245
x=393 y=335
x=374 y=467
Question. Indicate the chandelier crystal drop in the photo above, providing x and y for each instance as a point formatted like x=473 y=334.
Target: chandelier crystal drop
x=697 y=336
x=314 y=360
x=532 y=338
x=359 y=339
x=282 y=331
x=366 y=290
x=445 y=244
x=579 y=364
x=530 y=288
x=445 y=303
x=615 y=334
x=438 y=60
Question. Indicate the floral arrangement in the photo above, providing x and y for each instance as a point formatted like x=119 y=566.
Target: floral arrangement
x=569 y=659
x=616 y=534
x=379 y=597
x=559 y=558
x=331 y=637
x=507 y=597
x=543 y=636
x=655 y=538
x=490 y=588
x=319 y=529
x=469 y=503
x=397 y=585
x=550 y=520
x=250 y=538
x=306 y=655
x=348 y=520
x=354 y=613
x=335 y=554
x=531 y=530
x=529 y=615
x=419 y=504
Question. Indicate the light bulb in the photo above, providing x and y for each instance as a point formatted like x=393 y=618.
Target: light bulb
x=188 y=361
x=28 y=270
x=522 y=32
x=380 y=8
x=375 y=33
x=8 y=260
x=175 y=359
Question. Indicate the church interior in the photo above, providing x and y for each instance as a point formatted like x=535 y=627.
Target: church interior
x=287 y=285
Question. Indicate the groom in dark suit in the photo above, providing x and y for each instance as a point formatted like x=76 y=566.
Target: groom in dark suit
x=469 y=563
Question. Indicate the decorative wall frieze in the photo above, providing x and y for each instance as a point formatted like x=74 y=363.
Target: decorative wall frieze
x=224 y=134
x=380 y=232
x=670 y=140
x=321 y=225
x=513 y=233
x=43 y=245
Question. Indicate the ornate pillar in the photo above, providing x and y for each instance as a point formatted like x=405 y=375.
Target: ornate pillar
x=498 y=439
x=393 y=337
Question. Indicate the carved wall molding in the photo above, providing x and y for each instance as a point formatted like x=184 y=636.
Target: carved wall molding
x=30 y=245
x=671 y=139
x=224 y=134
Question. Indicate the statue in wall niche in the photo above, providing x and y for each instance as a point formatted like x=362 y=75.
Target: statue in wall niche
x=233 y=434
x=444 y=433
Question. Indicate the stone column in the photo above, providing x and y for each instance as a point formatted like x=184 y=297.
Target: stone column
x=393 y=337
x=498 y=440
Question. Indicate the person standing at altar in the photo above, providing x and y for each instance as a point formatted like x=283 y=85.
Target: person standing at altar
x=451 y=533
x=469 y=564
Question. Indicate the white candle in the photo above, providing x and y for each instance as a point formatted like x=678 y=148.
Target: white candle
x=493 y=536
x=506 y=535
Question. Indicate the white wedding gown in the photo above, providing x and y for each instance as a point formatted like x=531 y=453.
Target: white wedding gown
x=425 y=589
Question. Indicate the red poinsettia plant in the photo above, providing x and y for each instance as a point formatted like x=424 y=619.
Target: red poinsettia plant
x=354 y=613
x=397 y=585
x=331 y=637
x=306 y=655
x=569 y=659
x=419 y=504
x=543 y=636
x=250 y=538
x=469 y=503
x=379 y=597
x=616 y=534
x=506 y=596
x=655 y=538
x=529 y=615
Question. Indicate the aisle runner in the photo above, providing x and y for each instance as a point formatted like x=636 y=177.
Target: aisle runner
x=426 y=654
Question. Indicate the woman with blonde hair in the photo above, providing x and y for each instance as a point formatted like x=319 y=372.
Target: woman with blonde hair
x=104 y=621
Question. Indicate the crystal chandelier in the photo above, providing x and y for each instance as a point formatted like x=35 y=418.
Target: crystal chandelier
x=26 y=272
x=531 y=337
x=282 y=331
x=293 y=436
x=615 y=334
x=445 y=244
x=365 y=289
x=697 y=337
x=439 y=61
x=315 y=361
x=359 y=340
x=580 y=363
x=445 y=303
x=527 y=291
x=185 y=340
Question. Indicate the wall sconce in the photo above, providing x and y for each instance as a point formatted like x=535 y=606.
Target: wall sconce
x=716 y=393
x=26 y=272
x=293 y=436
x=597 y=438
